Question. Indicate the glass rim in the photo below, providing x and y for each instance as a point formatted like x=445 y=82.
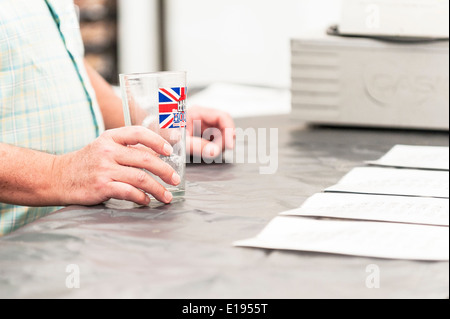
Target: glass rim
x=151 y=74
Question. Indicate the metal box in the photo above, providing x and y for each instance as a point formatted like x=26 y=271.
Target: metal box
x=368 y=82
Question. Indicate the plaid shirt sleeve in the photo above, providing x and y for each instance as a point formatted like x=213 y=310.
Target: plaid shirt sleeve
x=46 y=100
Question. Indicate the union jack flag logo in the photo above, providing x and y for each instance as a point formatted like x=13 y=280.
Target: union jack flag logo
x=172 y=107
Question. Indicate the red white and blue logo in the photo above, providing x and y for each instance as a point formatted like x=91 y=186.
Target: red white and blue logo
x=172 y=107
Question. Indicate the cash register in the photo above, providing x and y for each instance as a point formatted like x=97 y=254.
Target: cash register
x=385 y=64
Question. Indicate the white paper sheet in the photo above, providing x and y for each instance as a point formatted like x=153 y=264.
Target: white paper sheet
x=393 y=181
x=358 y=238
x=242 y=100
x=425 y=157
x=402 y=209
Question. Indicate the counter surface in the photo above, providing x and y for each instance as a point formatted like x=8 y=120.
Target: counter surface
x=184 y=250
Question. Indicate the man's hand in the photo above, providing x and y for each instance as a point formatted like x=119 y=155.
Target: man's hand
x=201 y=119
x=112 y=167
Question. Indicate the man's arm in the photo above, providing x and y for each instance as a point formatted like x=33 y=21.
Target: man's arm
x=110 y=104
x=26 y=177
x=109 y=167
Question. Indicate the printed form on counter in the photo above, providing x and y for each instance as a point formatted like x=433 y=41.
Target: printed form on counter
x=396 y=209
x=411 y=156
x=394 y=181
x=357 y=238
x=401 y=209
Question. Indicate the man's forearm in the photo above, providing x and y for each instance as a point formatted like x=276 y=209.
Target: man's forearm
x=26 y=177
x=110 y=104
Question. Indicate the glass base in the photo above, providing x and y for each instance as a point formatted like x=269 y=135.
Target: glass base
x=178 y=196
x=176 y=193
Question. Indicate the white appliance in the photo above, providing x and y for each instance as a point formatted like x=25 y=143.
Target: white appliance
x=368 y=82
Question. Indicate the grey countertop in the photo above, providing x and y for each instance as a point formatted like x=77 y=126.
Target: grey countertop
x=184 y=250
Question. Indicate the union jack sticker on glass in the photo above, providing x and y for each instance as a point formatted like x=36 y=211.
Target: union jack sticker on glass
x=172 y=107
x=157 y=101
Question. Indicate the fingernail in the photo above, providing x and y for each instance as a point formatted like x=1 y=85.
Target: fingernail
x=168 y=196
x=211 y=150
x=168 y=149
x=229 y=139
x=176 y=178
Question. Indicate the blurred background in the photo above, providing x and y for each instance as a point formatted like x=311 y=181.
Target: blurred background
x=236 y=41
x=266 y=57
x=99 y=30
